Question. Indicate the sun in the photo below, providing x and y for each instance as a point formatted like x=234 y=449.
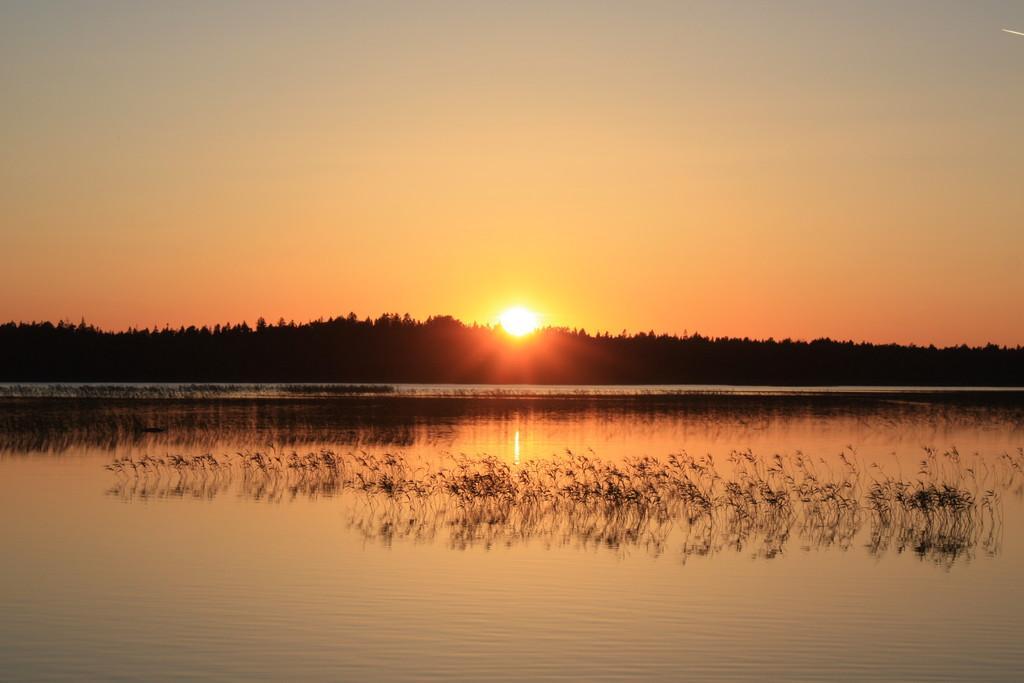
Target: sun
x=519 y=321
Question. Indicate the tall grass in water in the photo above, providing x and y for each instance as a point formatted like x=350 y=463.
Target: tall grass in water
x=186 y=391
x=946 y=510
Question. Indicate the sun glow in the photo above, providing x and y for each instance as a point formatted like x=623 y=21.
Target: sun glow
x=519 y=321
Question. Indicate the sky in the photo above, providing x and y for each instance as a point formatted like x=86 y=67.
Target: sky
x=785 y=169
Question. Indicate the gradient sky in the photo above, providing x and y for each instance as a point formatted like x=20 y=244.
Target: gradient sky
x=787 y=169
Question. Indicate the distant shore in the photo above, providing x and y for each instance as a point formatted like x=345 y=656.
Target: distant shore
x=441 y=350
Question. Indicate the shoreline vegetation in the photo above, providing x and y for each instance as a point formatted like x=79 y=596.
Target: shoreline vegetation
x=399 y=349
x=189 y=392
x=948 y=507
x=398 y=420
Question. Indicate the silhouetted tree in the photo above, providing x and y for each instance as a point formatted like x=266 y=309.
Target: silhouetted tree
x=397 y=348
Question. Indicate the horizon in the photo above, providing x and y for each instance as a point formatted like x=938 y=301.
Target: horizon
x=797 y=170
x=495 y=325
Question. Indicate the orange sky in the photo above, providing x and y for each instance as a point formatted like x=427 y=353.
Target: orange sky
x=768 y=169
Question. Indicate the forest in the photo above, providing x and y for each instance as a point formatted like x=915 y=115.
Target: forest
x=441 y=349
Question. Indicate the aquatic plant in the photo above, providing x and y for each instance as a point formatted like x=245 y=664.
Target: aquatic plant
x=950 y=507
x=401 y=421
x=187 y=391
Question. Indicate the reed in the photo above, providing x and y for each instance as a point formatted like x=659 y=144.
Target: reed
x=947 y=509
x=187 y=391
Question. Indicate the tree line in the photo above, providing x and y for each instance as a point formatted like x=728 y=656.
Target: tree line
x=395 y=348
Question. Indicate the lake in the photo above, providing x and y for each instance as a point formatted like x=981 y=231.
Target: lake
x=415 y=532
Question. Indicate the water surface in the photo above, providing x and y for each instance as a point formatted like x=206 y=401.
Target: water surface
x=220 y=578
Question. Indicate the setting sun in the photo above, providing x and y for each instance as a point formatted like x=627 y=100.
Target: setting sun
x=519 y=321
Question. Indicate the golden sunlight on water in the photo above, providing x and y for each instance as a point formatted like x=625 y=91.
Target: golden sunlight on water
x=402 y=553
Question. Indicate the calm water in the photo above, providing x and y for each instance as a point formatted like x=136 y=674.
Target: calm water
x=230 y=576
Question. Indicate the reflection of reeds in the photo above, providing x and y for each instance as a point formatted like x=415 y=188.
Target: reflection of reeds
x=749 y=503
